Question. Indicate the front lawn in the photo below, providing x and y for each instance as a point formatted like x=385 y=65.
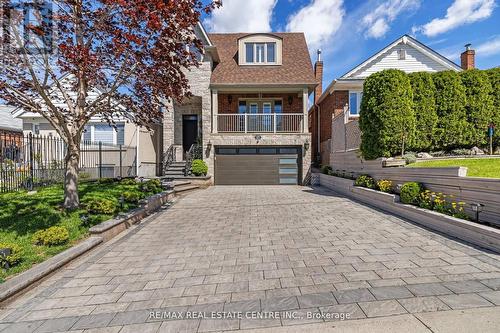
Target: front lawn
x=476 y=167
x=22 y=214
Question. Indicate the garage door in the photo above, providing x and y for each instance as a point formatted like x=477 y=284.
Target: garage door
x=257 y=165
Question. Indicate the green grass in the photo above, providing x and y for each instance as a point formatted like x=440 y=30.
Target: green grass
x=476 y=167
x=22 y=214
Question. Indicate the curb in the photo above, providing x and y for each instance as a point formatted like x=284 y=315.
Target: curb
x=26 y=278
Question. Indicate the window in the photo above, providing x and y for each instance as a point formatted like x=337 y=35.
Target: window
x=254 y=108
x=260 y=53
x=278 y=107
x=271 y=52
x=120 y=134
x=402 y=54
x=355 y=102
x=266 y=107
x=102 y=132
x=249 y=52
x=242 y=107
x=36 y=128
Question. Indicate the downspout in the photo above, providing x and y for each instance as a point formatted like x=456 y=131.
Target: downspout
x=318 y=148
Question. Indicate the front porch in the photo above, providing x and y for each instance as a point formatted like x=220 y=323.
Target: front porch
x=275 y=111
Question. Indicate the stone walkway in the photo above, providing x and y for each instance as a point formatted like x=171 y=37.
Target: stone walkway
x=295 y=255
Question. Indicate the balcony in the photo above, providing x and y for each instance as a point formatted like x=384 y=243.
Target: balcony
x=261 y=123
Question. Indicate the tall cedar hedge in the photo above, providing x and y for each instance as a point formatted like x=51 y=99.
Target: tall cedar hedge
x=453 y=129
x=424 y=105
x=387 y=119
x=494 y=76
x=479 y=105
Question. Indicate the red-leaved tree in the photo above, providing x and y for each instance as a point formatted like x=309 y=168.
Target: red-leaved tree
x=134 y=52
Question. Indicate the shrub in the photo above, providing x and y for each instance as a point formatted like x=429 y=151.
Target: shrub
x=452 y=128
x=479 y=105
x=199 y=168
x=365 y=181
x=387 y=119
x=97 y=205
x=106 y=181
x=410 y=193
x=131 y=196
x=51 y=236
x=385 y=185
x=410 y=158
x=151 y=186
x=424 y=107
x=326 y=169
x=494 y=77
x=128 y=181
x=14 y=257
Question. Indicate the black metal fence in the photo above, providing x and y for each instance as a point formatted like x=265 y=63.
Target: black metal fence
x=30 y=161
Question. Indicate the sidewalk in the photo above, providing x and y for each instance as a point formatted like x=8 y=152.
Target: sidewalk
x=483 y=320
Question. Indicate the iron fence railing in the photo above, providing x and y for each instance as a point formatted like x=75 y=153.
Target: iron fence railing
x=260 y=122
x=30 y=161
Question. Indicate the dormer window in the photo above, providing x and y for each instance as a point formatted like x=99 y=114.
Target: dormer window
x=260 y=50
x=260 y=53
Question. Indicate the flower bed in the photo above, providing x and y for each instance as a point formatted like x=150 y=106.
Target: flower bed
x=414 y=193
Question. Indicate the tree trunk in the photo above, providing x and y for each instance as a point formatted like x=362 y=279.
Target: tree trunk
x=71 y=199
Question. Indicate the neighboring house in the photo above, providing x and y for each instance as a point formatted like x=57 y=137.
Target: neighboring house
x=9 y=125
x=147 y=157
x=342 y=98
x=249 y=108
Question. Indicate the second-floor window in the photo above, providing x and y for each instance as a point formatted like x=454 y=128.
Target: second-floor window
x=260 y=53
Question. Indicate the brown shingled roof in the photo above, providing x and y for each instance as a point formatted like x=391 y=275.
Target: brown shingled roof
x=296 y=65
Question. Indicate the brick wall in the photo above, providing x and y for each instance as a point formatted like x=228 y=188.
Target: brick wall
x=226 y=107
x=331 y=106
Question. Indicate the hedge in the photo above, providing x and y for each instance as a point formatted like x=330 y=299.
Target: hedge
x=387 y=119
x=494 y=76
x=446 y=111
x=479 y=105
x=424 y=106
x=453 y=130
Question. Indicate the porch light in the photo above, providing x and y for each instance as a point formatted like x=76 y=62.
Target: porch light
x=290 y=100
x=209 y=143
x=477 y=208
x=306 y=145
x=229 y=99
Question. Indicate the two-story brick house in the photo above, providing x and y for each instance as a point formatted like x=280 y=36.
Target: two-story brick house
x=249 y=109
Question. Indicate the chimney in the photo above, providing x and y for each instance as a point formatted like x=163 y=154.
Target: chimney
x=467 y=60
x=318 y=74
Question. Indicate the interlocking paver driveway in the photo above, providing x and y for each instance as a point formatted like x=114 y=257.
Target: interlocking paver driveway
x=259 y=248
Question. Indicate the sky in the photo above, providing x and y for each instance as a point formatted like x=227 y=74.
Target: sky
x=350 y=31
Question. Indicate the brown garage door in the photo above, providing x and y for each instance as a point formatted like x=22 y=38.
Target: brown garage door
x=257 y=165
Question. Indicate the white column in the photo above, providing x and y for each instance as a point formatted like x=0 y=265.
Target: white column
x=215 y=110
x=305 y=98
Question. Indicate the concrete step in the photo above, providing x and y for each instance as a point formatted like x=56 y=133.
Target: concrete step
x=175 y=168
x=169 y=173
x=179 y=183
x=186 y=188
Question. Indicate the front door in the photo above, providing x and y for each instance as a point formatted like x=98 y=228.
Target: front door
x=189 y=131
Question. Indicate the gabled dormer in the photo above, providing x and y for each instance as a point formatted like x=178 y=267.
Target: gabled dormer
x=260 y=49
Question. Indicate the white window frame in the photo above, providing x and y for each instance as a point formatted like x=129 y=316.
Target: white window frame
x=35 y=128
x=359 y=96
x=260 y=58
x=91 y=127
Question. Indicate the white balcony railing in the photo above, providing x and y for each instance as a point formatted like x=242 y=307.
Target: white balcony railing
x=260 y=123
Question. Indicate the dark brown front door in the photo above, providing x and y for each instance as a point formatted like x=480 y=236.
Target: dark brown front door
x=189 y=131
x=246 y=165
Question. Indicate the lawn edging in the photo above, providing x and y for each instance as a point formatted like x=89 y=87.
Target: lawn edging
x=471 y=232
x=110 y=228
x=100 y=233
x=30 y=276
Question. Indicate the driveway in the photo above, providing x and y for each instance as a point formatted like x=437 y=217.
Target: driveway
x=294 y=255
